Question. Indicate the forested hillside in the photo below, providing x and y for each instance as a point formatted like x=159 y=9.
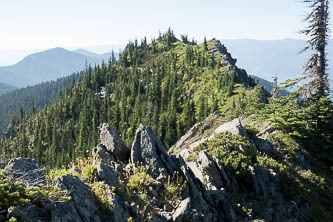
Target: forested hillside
x=23 y=102
x=167 y=84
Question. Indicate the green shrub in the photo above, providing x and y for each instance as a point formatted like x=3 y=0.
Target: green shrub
x=191 y=158
x=56 y=173
x=134 y=190
x=14 y=193
x=138 y=179
x=174 y=188
x=104 y=196
x=11 y=194
x=228 y=149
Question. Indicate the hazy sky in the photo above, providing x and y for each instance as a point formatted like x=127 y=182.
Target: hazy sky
x=39 y=24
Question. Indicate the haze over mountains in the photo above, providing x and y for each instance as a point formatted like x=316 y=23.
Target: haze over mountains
x=268 y=58
x=48 y=65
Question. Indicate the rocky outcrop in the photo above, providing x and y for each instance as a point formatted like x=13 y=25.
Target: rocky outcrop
x=148 y=150
x=234 y=127
x=221 y=50
x=113 y=144
x=30 y=212
x=214 y=124
x=82 y=204
x=26 y=170
x=203 y=208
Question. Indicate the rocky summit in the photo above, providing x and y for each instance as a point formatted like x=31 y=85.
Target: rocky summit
x=190 y=182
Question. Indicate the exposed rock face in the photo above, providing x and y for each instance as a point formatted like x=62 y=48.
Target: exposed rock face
x=26 y=170
x=82 y=204
x=113 y=143
x=182 y=141
x=148 y=150
x=221 y=50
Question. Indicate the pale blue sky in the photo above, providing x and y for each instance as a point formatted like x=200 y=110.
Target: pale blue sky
x=40 y=24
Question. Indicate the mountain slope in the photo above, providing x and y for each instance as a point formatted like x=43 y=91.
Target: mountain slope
x=31 y=99
x=47 y=65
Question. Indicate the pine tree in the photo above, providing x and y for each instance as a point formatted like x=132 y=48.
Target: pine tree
x=205 y=44
x=317 y=31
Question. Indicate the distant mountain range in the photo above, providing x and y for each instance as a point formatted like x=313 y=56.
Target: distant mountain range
x=49 y=65
x=268 y=58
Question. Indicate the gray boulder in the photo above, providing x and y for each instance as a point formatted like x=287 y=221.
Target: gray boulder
x=82 y=205
x=148 y=150
x=26 y=170
x=114 y=144
x=234 y=127
x=205 y=169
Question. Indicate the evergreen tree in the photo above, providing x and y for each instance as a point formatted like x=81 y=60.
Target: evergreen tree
x=318 y=33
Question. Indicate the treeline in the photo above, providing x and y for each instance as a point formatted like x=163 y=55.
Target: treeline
x=166 y=84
